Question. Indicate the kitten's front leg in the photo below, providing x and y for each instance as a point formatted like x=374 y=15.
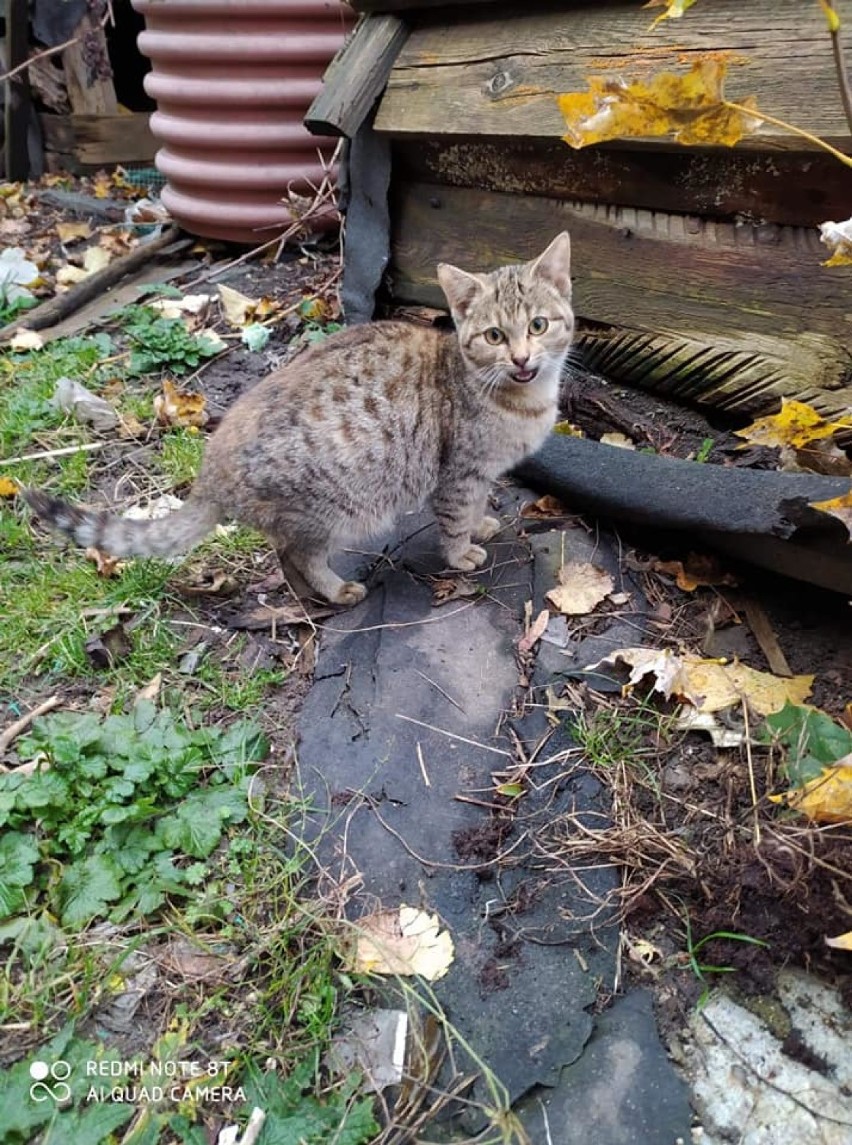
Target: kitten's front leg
x=458 y=509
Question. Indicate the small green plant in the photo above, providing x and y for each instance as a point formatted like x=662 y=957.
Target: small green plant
x=295 y=1113
x=811 y=741
x=704 y=449
x=163 y=343
x=702 y=969
x=118 y=813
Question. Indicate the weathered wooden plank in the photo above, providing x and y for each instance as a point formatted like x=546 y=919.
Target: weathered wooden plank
x=745 y=374
x=801 y=190
x=487 y=74
x=88 y=75
x=356 y=76
x=100 y=140
x=703 y=281
x=17 y=105
x=107 y=139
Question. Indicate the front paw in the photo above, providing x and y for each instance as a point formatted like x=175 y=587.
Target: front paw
x=487 y=528
x=473 y=558
x=350 y=592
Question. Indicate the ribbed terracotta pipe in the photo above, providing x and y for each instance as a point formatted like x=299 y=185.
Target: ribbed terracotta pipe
x=232 y=80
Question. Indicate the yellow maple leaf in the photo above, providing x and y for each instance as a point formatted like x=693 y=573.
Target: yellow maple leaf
x=825 y=799
x=690 y=107
x=674 y=9
x=839 y=507
x=710 y=685
x=795 y=425
x=8 y=488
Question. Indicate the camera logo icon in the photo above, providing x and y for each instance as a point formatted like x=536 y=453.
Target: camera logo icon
x=56 y=1073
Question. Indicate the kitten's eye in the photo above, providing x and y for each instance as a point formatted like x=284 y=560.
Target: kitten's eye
x=494 y=336
x=538 y=325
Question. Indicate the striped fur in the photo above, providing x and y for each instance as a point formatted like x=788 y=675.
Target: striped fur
x=372 y=422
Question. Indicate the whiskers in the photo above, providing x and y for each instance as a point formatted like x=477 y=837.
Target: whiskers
x=490 y=378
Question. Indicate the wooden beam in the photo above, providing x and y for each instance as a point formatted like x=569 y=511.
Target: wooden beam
x=88 y=75
x=800 y=190
x=356 y=76
x=481 y=73
x=745 y=289
x=17 y=106
x=100 y=140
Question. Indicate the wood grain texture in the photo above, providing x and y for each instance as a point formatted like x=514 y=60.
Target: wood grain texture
x=702 y=283
x=801 y=190
x=98 y=140
x=481 y=73
x=88 y=77
x=356 y=76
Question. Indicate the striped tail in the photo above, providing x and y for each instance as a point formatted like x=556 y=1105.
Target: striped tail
x=120 y=537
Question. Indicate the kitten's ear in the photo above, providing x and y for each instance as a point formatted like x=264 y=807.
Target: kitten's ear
x=460 y=287
x=555 y=264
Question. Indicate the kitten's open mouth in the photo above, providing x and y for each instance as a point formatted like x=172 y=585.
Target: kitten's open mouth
x=524 y=376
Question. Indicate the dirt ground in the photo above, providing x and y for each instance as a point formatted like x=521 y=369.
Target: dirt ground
x=780 y=883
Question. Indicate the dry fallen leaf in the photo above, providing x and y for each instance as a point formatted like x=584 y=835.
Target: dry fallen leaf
x=180 y=307
x=535 y=631
x=710 y=685
x=106 y=565
x=838 y=238
x=619 y=440
x=544 y=508
x=696 y=571
x=826 y=799
x=235 y=306
x=689 y=107
x=447 y=588
x=691 y=720
x=674 y=9
x=108 y=648
x=582 y=586
x=178 y=407
x=161 y=507
x=8 y=488
x=405 y=941
x=73 y=232
x=796 y=425
x=95 y=259
x=27 y=340
x=839 y=507
x=841 y=942
x=150 y=691
x=568 y=429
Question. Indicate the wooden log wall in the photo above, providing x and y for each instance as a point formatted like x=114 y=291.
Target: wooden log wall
x=715 y=250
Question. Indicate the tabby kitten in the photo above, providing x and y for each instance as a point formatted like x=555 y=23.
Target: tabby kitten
x=341 y=441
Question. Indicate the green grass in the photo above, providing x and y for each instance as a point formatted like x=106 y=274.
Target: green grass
x=46 y=589
x=629 y=736
x=235 y=688
x=180 y=456
x=256 y=903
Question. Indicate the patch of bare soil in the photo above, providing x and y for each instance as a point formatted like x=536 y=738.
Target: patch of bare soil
x=704 y=850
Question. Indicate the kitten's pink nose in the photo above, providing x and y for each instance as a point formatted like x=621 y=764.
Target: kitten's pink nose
x=520 y=360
